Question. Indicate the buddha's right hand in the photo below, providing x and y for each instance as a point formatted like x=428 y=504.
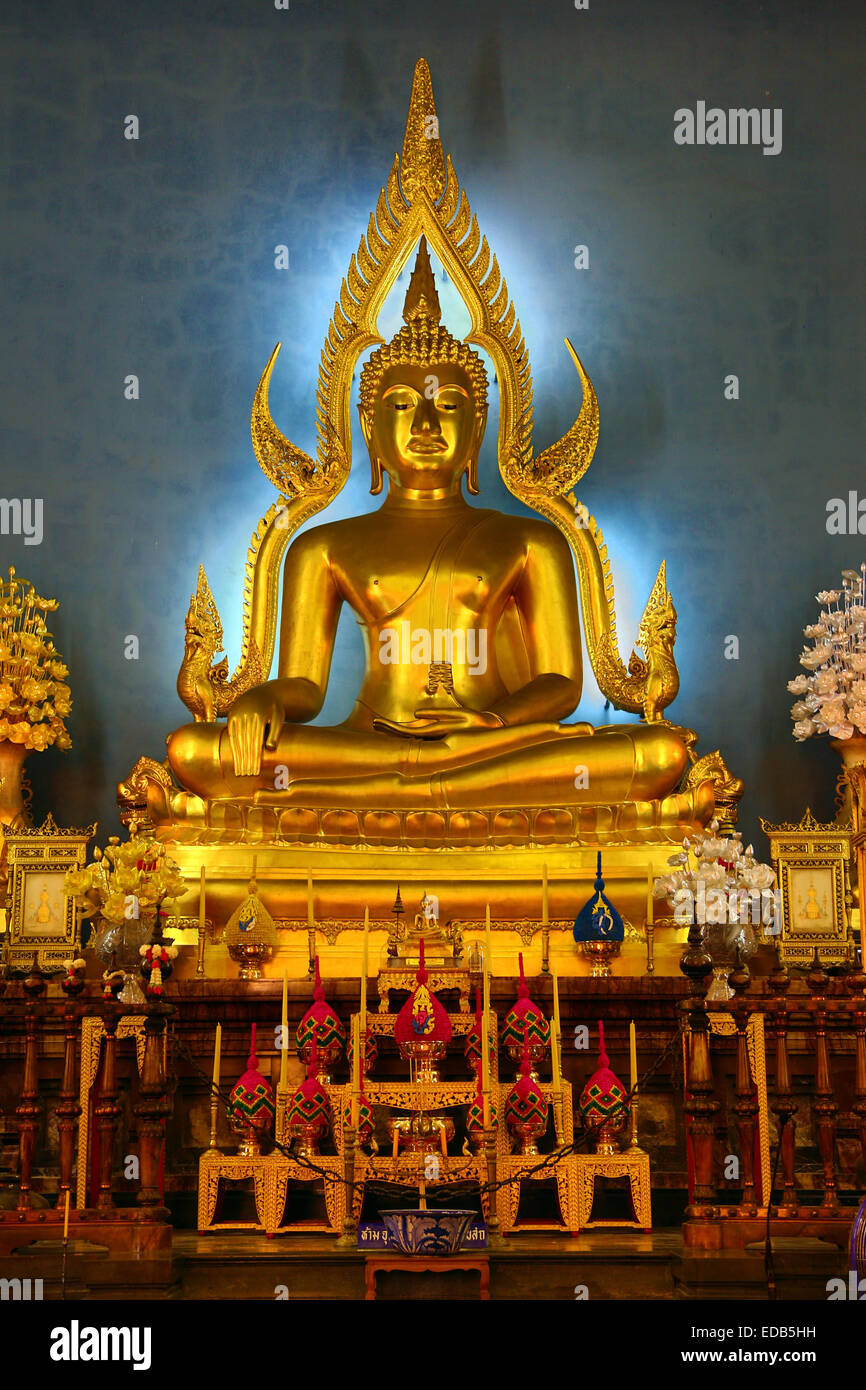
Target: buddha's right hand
x=255 y=722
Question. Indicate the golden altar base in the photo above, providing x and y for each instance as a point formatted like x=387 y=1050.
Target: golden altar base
x=344 y=882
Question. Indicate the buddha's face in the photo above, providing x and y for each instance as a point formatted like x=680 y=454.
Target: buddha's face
x=426 y=425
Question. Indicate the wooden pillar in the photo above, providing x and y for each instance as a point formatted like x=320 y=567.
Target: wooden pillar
x=27 y=1109
x=68 y=1108
x=746 y=1104
x=784 y=1106
x=495 y=1238
x=348 y=1237
x=824 y=1106
x=152 y=1106
x=701 y=1106
x=106 y=1109
x=855 y=982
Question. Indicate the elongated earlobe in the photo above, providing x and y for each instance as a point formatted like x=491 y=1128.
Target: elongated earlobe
x=472 y=476
x=376 y=478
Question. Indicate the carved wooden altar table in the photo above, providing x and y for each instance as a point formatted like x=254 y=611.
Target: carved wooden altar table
x=215 y=1168
x=632 y=1164
x=419 y=1264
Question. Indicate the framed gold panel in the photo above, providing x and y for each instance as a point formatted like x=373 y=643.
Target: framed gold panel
x=812 y=863
x=41 y=924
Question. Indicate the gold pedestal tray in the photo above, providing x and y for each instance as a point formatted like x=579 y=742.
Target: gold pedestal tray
x=402 y=976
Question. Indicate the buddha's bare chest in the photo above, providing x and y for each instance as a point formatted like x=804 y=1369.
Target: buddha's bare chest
x=412 y=581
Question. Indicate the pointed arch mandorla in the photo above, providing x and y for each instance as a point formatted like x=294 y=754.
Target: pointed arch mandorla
x=412 y=203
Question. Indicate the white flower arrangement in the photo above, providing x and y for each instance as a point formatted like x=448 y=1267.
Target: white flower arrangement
x=832 y=698
x=714 y=870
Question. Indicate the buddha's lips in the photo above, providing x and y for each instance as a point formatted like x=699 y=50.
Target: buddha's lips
x=422 y=447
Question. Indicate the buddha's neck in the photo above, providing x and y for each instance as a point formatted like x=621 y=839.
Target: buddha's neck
x=403 y=501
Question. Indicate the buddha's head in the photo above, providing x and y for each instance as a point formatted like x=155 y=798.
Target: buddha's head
x=423 y=398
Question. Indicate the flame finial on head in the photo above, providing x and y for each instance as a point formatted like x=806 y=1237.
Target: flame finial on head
x=422 y=299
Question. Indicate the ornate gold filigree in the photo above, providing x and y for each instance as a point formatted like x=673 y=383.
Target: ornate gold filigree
x=807 y=822
x=49 y=829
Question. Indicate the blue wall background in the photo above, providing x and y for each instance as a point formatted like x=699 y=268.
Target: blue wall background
x=261 y=127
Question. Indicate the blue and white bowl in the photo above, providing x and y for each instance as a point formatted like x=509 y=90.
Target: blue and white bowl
x=434 y=1232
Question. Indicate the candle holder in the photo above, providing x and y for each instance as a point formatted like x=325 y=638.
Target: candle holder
x=420 y=1134
x=199 y=965
x=634 y=1147
x=214 y=1116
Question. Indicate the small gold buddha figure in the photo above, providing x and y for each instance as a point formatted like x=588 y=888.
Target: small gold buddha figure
x=427 y=928
x=43 y=914
x=811 y=909
x=471 y=627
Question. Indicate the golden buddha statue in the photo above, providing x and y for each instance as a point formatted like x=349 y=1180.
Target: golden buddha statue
x=428 y=574
x=459 y=735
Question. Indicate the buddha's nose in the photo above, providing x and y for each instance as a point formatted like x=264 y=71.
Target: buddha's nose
x=425 y=419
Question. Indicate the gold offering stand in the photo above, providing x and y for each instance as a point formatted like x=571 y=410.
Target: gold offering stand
x=420 y=1097
x=350 y=1168
x=526 y=1167
x=433 y=1097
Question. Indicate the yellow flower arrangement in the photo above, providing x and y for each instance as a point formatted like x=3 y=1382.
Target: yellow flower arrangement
x=34 y=701
x=125 y=882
